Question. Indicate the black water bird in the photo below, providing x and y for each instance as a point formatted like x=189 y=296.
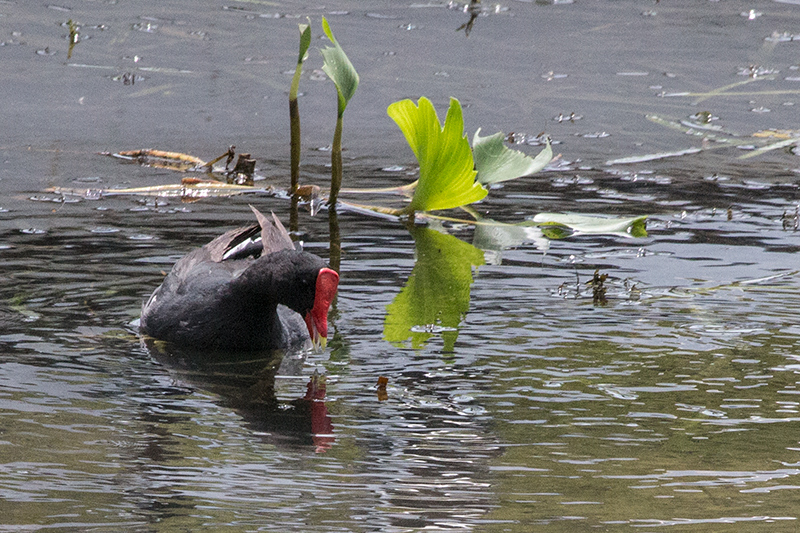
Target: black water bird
x=248 y=289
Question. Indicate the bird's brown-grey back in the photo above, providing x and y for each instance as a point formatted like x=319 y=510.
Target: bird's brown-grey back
x=274 y=236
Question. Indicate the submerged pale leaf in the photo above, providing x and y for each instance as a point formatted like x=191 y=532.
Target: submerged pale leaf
x=493 y=237
x=446 y=166
x=339 y=69
x=495 y=162
x=652 y=157
x=770 y=147
x=559 y=225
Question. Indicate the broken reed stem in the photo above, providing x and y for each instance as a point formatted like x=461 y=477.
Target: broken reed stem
x=294 y=120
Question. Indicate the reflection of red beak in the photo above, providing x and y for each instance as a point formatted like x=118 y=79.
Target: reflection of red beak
x=317 y=318
x=321 y=426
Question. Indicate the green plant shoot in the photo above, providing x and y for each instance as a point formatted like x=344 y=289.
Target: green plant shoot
x=446 y=167
x=339 y=69
x=294 y=109
x=495 y=162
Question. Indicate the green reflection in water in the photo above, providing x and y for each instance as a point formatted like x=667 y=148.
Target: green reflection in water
x=436 y=296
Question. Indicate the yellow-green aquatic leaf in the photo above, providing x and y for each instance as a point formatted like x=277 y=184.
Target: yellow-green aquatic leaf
x=436 y=297
x=495 y=162
x=446 y=166
x=339 y=69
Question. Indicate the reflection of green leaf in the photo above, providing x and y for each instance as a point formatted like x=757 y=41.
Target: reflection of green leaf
x=436 y=296
x=564 y=225
x=496 y=162
x=493 y=237
x=446 y=167
x=339 y=69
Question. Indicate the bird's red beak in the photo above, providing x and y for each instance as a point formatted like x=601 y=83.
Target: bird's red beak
x=317 y=318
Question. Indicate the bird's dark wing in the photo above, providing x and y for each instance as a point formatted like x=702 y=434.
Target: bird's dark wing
x=239 y=243
x=219 y=248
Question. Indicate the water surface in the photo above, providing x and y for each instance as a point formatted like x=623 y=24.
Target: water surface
x=674 y=406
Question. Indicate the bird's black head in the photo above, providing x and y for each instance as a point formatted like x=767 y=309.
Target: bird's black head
x=299 y=280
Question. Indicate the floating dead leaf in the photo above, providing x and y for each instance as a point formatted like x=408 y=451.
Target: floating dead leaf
x=383 y=381
x=161 y=159
x=189 y=190
x=778 y=134
x=308 y=192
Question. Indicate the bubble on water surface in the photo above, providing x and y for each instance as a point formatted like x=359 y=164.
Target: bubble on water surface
x=382 y=16
x=781 y=37
x=145 y=27
x=594 y=135
x=88 y=179
x=104 y=229
x=550 y=76
x=318 y=75
x=141 y=237
x=563 y=181
x=563 y=117
x=752 y=14
x=431 y=328
x=55 y=199
x=619 y=393
x=756 y=71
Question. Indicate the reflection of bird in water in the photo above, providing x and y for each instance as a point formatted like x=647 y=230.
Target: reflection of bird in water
x=243 y=291
x=229 y=309
x=245 y=382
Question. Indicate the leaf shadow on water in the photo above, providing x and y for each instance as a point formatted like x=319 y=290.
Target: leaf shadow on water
x=246 y=383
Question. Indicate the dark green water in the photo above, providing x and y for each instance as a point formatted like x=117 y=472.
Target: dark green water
x=673 y=407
